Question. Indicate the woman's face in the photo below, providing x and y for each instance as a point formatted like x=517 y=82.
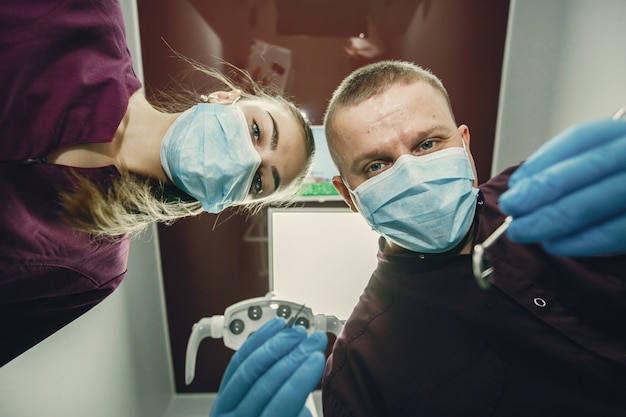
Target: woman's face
x=279 y=139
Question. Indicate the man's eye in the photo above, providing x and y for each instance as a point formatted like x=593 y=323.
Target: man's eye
x=427 y=145
x=376 y=167
x=256 y=131
x=257 y=184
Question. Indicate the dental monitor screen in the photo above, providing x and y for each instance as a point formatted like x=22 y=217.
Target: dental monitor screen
x=318 y=185
x=322 y=257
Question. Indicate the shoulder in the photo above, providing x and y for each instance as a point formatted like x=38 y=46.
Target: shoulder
x=62 y=61
x=499 y=183
x=31 y=234
x=26 y=19
x=396 y=367
x=17 y=14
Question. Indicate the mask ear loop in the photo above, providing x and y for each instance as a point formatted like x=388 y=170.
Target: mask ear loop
x=464 y=147
x=355 y=199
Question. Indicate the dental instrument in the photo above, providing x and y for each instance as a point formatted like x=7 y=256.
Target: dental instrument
x=242 y=319
x=482 y=271
x=295 y=316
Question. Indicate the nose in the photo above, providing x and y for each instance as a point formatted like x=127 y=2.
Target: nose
x=399 y=150
x=265 y=154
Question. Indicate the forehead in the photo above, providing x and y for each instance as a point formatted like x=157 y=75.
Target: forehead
x=282 y=114
x=399 y=100
x=263 y=105
x=400 y=108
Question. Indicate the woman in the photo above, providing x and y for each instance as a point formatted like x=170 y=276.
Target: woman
x=86 y=161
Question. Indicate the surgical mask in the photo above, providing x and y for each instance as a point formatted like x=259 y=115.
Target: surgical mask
x=422 y=203
x=207 y=153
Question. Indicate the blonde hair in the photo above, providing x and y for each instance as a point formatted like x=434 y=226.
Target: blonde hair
x=132 y=202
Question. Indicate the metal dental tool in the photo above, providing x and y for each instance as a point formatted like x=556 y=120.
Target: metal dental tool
x=295 y=317
x=479 y=255
x=482 y=271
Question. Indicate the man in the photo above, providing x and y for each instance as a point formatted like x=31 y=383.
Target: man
x=424 y=340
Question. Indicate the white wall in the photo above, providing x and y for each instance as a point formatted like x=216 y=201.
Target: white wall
x=565 y=62
x=111 y=362
x=311 y=248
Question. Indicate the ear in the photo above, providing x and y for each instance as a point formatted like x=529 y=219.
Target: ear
x=465 y=136
x=344 y=192
x=224 y=97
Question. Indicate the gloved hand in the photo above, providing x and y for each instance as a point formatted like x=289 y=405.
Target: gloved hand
x=272 y=373
x=570 y=195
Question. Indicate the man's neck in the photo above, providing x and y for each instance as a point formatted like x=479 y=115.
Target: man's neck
x=463 y=248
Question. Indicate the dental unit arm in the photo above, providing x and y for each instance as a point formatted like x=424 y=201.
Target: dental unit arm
x=242 y=319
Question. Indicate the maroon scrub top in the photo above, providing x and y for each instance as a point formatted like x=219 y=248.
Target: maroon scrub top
x=66 y=78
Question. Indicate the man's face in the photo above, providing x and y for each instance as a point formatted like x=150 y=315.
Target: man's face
x=405 y=119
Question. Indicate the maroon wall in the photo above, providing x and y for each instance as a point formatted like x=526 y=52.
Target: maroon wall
x=208 y=264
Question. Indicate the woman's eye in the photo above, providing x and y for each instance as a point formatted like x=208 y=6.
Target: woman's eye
x=256 y=131
x=257 y=184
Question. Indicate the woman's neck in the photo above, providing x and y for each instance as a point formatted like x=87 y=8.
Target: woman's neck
x=136 y=145
x=139 y=136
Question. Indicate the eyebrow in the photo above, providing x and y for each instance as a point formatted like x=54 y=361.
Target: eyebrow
x=380 y=152
x=274 y=142
x=360 y=160
x=276 y=178
x=273 y=146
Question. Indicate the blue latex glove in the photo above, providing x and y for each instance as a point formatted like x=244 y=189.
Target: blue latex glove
x=272 y=373
x=570 y=195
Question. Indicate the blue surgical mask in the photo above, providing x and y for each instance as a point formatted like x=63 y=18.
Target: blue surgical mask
x=207 y=153
x=422 y=203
